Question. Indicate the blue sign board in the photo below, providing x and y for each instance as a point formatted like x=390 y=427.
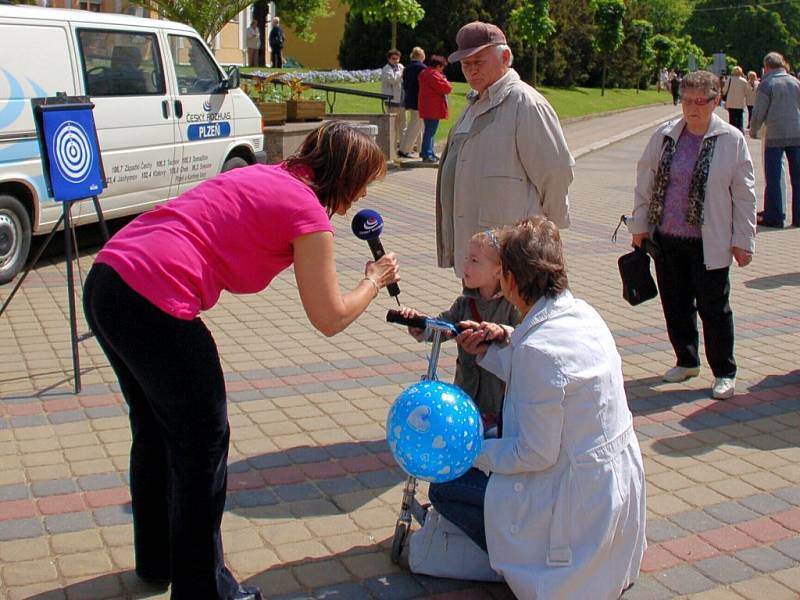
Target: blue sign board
x=212 y=129
x=73 y=154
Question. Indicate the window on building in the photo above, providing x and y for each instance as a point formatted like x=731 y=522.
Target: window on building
x=117 y=63
x=92 y=5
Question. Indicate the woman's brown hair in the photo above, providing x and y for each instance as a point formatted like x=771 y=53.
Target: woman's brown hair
x=532 y=251
x=343 y=162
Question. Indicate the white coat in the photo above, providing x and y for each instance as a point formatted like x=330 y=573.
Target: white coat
x=729 y=209
x=565 y=503
x=392 y=83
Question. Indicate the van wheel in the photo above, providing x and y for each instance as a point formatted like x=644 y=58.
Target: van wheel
x=234 y=163
x=15 y=237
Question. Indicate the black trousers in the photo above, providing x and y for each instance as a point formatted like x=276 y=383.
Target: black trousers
x=687 y=288
x=276 y=57
x=171 y=378
x=736 y=118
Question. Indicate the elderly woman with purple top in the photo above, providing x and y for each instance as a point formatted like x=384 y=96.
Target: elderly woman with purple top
x=695 y=197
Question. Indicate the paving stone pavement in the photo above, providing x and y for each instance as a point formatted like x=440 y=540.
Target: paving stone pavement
x=313 y=491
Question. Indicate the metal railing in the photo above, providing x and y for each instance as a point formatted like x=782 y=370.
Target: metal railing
x=331 y=91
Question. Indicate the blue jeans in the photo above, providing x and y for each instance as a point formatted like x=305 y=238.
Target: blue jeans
x=773 y=195
x=431 y=125
x=461 y=502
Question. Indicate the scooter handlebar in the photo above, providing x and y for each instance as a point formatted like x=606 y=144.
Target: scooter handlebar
x=422 y=322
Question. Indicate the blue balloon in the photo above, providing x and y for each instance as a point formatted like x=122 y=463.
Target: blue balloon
x=434 y=431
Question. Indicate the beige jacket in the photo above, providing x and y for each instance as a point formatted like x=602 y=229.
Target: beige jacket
x=515 y=163
x=736 y=90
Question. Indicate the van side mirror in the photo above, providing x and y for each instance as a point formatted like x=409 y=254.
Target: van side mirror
x=234 y=78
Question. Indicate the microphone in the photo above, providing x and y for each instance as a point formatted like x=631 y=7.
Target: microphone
x=368 y=225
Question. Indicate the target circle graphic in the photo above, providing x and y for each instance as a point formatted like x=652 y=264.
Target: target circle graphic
x=72 y=151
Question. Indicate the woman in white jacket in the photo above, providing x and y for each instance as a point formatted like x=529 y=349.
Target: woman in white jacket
x=735 y=94
x=558 y=501
x=695 y=196
x=392 y=84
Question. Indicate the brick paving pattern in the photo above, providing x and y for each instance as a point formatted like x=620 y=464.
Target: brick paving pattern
x=313 y=491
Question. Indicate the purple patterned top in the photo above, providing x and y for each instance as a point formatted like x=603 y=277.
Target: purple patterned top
x=676 y=200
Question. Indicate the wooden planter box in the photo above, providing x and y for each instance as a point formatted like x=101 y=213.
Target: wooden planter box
x=272 y=113
x=305 y=110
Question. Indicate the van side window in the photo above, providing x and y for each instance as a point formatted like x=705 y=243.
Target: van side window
x=196 y=71
x=117 y=63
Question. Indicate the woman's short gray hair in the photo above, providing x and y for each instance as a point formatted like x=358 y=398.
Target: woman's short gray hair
x=705 y=81
x=502 y=48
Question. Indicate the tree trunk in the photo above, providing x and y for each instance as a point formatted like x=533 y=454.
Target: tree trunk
x=603 y=86
x=534 y=74
x=394 y=34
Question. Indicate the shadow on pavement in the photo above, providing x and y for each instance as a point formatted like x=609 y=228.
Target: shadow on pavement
x=773 y=396
x=772 y=282
x=396 y=583
x=122 y=584
x=309 y=481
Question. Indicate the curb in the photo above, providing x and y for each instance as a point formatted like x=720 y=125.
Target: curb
x=609 y=113
x=583 y=151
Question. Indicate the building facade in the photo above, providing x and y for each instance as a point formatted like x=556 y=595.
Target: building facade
x=230 y=44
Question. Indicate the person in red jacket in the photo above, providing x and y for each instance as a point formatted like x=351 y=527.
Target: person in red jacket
x=433 y=90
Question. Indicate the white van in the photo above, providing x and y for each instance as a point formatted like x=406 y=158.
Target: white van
x=167 y=116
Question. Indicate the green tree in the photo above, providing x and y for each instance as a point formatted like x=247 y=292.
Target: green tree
x=531 y=23
x=569 y=58
x=608 y=17
x=299 y=15
x=664 y=49
x=407 y=12
x=641 y=32
x=208 y=17
x=685 y=47
x=748 y=32
x=667 y=16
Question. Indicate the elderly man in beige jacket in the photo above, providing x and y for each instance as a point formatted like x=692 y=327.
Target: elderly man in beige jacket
x=506 y=157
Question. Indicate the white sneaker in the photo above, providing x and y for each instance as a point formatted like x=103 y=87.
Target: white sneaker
x=678 y=374
x=724 y=388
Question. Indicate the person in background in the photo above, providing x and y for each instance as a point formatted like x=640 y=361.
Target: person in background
x=253 y=43
x=778 y=107
x=663 y=80
x=277 y=40
x=432 y=104
x=392 y=84
x=695 y=197
x=413 y=134
x=505 y=158
x=750 y=94
x=558 y=500
x=675 y=86
x=143 y=298
x=735 y=94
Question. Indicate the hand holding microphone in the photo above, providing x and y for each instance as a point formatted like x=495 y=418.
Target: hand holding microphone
x=368 y=225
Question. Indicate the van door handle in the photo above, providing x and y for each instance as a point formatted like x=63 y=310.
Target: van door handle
x=165 y=108
x=178 y=108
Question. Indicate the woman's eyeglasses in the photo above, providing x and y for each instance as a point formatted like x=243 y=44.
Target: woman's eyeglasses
x=698 y=101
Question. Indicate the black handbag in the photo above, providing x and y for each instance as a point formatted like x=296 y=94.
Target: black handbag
x=637 y=282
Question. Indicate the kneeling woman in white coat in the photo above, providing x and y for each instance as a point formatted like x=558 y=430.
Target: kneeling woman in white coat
x=559 y=499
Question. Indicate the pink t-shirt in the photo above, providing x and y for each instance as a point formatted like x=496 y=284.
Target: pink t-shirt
x=233 y=232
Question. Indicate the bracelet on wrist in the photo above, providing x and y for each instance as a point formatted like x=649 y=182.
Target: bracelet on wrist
x=374 y=284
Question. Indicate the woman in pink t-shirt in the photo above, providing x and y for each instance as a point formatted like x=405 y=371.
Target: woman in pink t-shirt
x=142 y=299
